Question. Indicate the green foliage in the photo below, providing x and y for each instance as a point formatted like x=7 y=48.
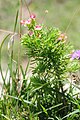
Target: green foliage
x=51 y=53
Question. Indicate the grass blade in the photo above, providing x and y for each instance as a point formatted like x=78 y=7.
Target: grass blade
x=0 y=54
x=5 y=117
x=15 y=25
x=72 y=113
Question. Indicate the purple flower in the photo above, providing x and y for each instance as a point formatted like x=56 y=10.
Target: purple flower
x=75 y=55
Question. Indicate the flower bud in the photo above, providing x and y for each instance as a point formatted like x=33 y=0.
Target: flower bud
x=32 y=16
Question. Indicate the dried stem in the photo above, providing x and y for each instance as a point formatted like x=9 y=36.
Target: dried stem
x=77 y=10
x=20 y=17
x=6 y=31
x=27 y=7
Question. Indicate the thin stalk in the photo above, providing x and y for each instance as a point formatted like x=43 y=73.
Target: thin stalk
x=19 y=37
x=77 y=10
x=20 y=18
x=27 y=7
x=44 y=16
x=11 y=60
x=1 y=55
x=6 y=31
x=71 y=90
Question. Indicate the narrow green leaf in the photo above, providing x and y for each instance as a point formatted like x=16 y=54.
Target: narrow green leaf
x=72 y=113
x=27 y=66
x=45 y=111
x=5 y=117
x=22 y=71
x=39 y=87
x=20 y=99
x=58 y=118
x=16 y=20
x=50 y=118
x=1 y=55
x=4 y=40
x=49 y=108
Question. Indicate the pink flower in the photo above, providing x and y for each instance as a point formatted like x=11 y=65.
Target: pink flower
x=30 y=33
x=38 y=27
x=62 y=37
x=32 y=16
x=25 y=22
x=28 y=22
x=22 y=22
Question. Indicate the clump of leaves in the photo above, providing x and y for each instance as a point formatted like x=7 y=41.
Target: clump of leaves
x=51 y=53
